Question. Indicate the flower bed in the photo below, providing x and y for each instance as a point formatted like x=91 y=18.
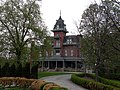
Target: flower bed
x=31 y=84
x=90 y=83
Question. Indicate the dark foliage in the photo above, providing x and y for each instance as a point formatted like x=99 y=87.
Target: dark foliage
x=19 y=70
x=12 y=70
x=34 y=71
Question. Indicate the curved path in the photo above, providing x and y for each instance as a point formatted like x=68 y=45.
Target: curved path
x=64 y=81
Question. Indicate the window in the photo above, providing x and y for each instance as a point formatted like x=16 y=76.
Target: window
x=58 y=43
x=51 y=53
x=40 y=54
x=57 y=52
x=71 y=52
x=65 y=52
x=64 y=27
x=57 y=26
x=46 y=53
x=69 y=41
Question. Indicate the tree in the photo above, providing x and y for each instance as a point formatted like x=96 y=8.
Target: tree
x=45 y=49
x=20 y=22
x=112 y=9
x=98 y=28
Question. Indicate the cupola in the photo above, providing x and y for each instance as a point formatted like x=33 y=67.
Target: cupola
x=60 y=26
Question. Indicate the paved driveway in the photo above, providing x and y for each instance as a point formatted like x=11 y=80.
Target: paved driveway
x=64 y=81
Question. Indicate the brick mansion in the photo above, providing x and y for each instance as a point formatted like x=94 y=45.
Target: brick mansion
x=66 y=49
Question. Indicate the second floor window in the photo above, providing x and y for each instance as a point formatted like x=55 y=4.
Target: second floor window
x=71 y=52
x=65 y=52
x=51 y=53
x=46 y=53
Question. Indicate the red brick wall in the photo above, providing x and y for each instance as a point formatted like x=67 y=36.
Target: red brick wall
x=62 y=35
x=76 y=50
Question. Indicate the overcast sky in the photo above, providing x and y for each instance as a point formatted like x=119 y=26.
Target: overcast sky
x=71 y=10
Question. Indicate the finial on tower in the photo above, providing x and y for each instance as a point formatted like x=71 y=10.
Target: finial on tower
x=60 y=13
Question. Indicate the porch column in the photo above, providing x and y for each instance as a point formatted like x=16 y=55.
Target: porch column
x=48 y=64
x=76 y=65
x=56 y=64
x=63 y=65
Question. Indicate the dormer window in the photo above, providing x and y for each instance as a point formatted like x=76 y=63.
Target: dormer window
x=57 y=26
x=69 y=41
x=64 y=27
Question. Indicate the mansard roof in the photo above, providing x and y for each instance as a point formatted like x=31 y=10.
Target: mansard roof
x=75 y=40
x=60 y=26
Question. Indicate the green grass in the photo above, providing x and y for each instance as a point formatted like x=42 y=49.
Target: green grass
x=45 y=74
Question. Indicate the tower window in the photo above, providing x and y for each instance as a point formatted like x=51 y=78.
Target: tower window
x=58 y=43
x=57 y=26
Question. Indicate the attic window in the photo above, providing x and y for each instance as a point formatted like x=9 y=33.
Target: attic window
x=64 y=27
x=69 y=41
x=57 y=26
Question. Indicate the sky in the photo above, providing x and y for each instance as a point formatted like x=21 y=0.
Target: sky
x=71 y=12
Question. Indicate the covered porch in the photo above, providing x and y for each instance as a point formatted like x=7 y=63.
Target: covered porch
x=61 y=63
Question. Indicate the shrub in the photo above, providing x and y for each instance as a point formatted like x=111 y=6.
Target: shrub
x=21 y=82
x=12 y=70
x=42 y=86
x=5 y=70
x=0 y=70
x=26 y=70
x=115 y=76
x=91 y=84
x=19 y=70
x=33 y=84
x=34 y=72
x=36 y=85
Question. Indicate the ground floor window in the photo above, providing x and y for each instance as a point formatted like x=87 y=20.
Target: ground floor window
x=57 y=52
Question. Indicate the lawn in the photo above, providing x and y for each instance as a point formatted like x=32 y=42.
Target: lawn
x=45 y=74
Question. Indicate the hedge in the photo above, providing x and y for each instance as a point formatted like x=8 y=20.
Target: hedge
x=101 y=80
x=32 y=84
x=91 y=84
x=19 y=70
